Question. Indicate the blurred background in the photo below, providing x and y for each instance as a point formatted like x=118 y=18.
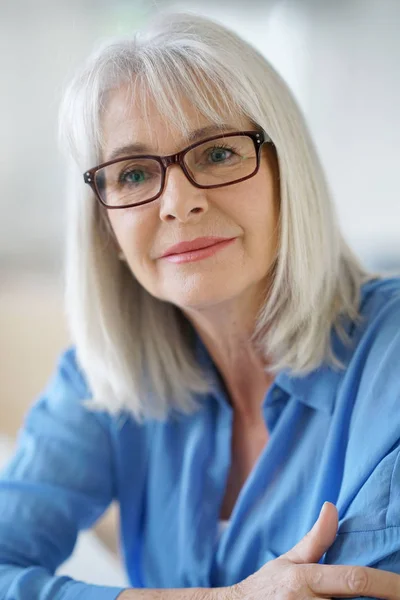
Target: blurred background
x=340 y=58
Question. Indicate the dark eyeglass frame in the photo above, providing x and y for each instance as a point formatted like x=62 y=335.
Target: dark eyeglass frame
x=259 y=137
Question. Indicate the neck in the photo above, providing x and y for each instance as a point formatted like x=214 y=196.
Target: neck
x=228 y=341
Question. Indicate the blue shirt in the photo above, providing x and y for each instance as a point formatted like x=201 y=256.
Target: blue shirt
x=334 y=435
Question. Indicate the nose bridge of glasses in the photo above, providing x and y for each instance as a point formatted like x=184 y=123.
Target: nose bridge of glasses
x=172 y=159
x=175 y=159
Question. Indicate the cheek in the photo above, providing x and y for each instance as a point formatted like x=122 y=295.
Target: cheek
x=260 y=222
x=258 y=212
x=135 y=232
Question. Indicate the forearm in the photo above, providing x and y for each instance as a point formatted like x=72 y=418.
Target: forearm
x=222 y=593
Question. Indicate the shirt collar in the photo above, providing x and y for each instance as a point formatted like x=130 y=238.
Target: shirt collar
x=316 y=389
x=319 y=388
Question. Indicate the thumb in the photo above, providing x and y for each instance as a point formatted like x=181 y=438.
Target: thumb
x=317 y=541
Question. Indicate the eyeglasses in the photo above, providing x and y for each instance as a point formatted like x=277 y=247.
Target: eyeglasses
x=215 y=162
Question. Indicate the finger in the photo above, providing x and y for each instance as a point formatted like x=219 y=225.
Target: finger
x=351 y=581
x=318 y=539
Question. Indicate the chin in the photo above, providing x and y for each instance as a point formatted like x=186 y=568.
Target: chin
x=200 y=299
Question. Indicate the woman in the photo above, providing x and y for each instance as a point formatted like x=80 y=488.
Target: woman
x=234 y=367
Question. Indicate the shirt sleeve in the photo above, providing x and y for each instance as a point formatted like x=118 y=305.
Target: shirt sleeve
x=369 y=503
x=377 y=544
x=59 y=481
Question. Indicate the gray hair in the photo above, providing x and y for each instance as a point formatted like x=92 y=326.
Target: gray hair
x=137 y=351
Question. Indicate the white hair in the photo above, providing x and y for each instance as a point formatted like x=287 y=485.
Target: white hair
x=137 y=351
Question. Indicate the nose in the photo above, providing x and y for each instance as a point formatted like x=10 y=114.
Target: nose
x=180 y=199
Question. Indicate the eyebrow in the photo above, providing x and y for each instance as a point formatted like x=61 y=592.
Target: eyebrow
x=191 y=138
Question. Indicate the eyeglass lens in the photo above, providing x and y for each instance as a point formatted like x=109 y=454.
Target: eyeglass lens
x=214 y=162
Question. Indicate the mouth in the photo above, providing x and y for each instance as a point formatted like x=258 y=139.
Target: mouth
x=196 y=254
x=196 y=244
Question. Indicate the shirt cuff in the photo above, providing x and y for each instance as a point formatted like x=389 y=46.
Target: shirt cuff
x=85 y=591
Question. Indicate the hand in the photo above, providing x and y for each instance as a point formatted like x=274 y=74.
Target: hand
x=292 y=576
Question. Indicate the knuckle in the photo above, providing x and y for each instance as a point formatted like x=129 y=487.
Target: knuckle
x=295 y=578
x=313 y=575
x=357 y=580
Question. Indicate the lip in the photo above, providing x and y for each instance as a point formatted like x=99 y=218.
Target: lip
x=197 y=244
x=196 y=254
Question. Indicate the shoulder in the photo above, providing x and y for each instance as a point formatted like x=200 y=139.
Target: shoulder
x=68 y=372
x=64 y=402
x=67 y=385
x=372 y=378
x=371 y=355
x=378 y=331
x=380 y=297
x=68 y=399
x=67 y=407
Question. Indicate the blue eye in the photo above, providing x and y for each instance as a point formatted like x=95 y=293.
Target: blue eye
x=219 y=152
x=134 y=176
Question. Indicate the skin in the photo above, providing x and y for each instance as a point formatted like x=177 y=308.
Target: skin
x=220 y=295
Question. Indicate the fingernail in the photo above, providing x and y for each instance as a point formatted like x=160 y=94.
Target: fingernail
x=322 y=509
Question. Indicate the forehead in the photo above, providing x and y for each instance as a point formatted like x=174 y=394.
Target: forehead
x=127 y=120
